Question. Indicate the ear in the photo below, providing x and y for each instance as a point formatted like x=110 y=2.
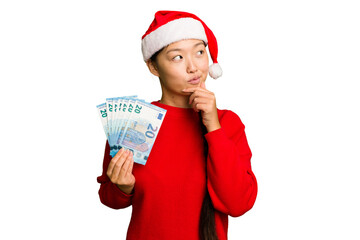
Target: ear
x=152 y=67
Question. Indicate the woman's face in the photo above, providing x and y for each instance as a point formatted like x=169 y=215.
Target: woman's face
x=181 y=65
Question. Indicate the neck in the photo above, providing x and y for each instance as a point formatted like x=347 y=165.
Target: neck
x=181 y=101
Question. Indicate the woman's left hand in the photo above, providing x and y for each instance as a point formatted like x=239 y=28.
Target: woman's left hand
x=204 y=101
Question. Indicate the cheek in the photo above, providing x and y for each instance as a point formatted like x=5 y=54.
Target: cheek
x=171 y=76
x=204 y=66
x=168 y=72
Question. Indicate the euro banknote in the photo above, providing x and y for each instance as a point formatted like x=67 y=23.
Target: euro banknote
x=131 y=123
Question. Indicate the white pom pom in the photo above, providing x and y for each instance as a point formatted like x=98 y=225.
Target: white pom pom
x=215 y=71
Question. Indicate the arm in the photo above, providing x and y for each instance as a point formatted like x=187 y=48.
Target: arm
x=231 y=183
x=109 y=193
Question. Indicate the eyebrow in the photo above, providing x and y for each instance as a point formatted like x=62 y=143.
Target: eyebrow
x=179 y=49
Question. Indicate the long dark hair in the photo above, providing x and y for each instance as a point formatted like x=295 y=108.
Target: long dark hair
x=207 y=218
x=207 y=229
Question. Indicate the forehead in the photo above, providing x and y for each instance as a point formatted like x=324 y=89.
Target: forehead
x=184 y=44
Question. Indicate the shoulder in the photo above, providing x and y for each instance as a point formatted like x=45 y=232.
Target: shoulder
x=228 y=116
x=230 y=121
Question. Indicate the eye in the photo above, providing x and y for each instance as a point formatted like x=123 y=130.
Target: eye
x=177 y=58
x=201 y=52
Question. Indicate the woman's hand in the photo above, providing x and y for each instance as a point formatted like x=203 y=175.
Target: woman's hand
x=204 y=101
x=120 y=170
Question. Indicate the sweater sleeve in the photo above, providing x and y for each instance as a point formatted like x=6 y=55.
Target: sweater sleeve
x=231 y=183
x=110 y=195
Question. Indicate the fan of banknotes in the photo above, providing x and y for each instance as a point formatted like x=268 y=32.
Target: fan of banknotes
x=131 y=123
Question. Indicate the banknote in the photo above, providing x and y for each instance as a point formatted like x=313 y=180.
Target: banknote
x=141 y=130
x=103 y=116
x=131 y=123
x=109 y=110
x=122 y=117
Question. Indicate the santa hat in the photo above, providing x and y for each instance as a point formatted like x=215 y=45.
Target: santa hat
x=173 y=26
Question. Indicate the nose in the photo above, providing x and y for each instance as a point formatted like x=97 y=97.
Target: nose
x=191 y=65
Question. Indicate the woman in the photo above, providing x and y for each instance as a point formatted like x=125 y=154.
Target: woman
x=199 y=169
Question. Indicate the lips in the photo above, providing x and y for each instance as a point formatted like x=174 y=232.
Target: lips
x=194 y=81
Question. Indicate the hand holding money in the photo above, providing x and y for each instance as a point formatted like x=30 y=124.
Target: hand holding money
x=120 y=170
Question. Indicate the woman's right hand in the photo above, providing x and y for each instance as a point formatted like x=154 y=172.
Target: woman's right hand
x=120 y=170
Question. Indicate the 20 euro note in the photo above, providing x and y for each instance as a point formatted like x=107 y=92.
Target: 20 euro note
x=103 y=117
x=125 y=110
x=141 y=130
x=131 y=123
x=111 y=113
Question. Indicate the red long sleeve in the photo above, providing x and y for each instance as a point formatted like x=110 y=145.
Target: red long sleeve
x=231 y=183
x=110 y=195
x=170 y=189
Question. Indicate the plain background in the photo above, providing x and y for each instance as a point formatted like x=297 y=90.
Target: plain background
x=291 y=72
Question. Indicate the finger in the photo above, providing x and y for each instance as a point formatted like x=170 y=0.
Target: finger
x=119 y=164
x=199 y=94
x=193 y=89
x=198 y=103
x=201 y=107
x=202 y=85
x=120 y=152
x=131 y=165
x=129 y=159
x=125 y=168
x=113 y=162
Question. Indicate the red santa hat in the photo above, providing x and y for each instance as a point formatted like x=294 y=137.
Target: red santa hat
x=173 y=26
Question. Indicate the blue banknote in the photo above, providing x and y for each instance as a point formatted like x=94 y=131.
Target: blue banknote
x=131 y=123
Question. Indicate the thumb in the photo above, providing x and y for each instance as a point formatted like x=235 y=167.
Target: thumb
x=202 y=85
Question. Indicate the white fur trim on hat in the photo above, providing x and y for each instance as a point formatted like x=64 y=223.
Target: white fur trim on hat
x=173 y=31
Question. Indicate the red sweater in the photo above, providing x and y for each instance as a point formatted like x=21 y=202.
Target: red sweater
x=170 y=188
